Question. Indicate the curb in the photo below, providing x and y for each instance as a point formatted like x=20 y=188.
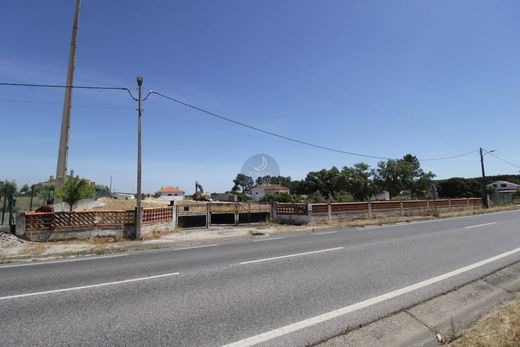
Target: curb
x=438 y=320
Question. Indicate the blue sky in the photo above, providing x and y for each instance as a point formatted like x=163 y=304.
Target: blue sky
x=431 y=78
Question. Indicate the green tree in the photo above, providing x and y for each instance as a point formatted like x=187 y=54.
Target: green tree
x=402 y=174
x=243 y=184
x=326 y=182
x=8 y=188
x=102 y=191
x=74 y=189
x=281 y=197
x=359 y=181
x=25 y=190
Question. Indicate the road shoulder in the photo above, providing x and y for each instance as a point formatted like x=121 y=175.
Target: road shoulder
x=439 y=320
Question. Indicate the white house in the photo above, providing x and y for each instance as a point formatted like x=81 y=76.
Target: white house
x=503 y=186
x=382 y=196
x=170 y=193
x=258 y=192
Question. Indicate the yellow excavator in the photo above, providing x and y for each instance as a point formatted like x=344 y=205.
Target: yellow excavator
x=199 y=193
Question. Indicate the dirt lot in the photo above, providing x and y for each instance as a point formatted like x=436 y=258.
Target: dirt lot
x=114 y=204
x=499 y=328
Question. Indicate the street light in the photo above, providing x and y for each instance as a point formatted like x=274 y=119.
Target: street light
x=484 y=190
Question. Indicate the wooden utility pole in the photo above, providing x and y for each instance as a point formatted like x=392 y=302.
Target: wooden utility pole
x=139 y=211
x=63 y=151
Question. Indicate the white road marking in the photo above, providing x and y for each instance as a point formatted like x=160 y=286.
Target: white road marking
x=269 y=335
x=195 y=247
x=479 y=225
x=269 y=239
x=290 y=255
x=88 y=286
x=326 y=232
x=63 y=261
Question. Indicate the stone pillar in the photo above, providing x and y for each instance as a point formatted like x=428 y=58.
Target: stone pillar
x=329 y=211
x=401 y=207
x=369 y=209
x=20 y=224
x=208 y=214
x=174 y=215
x=236 y=213
x=274 y=211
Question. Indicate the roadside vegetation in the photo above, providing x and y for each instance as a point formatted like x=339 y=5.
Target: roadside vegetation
x=498 y=328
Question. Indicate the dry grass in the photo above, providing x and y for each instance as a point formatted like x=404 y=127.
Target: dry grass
x=34 y=249
x=499 y=328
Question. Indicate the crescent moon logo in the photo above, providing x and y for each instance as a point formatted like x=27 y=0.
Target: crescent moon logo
x=262 y=166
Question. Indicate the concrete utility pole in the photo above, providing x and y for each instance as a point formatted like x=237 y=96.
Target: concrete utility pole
x=63 y=152
x=139 y=211
x=484 y=189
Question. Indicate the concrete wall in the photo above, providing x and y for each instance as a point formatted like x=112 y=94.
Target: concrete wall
x=309 y=218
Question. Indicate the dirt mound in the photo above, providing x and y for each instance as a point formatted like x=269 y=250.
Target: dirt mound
x=8 y=240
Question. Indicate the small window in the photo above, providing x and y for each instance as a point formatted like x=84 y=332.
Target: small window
x=175 y=194
x=494 y=185
x=186 y=208
x=169 y=195
x=503 y=185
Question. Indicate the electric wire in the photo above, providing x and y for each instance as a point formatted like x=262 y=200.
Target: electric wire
x=233 y=121
x=287 y=138
x=504 y=160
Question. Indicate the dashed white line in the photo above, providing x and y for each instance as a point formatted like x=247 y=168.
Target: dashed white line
x=290 y=255
x=269 y=239
x=479 y=225
x=326 y=232
x=62 y=261
x=269 y=335
x=17 y=296
x=195 y=247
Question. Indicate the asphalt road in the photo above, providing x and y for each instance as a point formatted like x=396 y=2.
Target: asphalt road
x=312 y=286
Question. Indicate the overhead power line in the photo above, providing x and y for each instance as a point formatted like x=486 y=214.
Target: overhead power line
x=504 y=160
x=451 y=157
x=230 y=120
x=227 y=119
x=59 y=86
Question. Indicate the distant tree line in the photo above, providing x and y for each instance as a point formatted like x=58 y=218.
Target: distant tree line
x=459 y=187
x=402 y=178
x=358 y=182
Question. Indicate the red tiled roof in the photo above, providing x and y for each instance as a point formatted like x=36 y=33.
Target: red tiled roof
x=171 y=190
x=272 y=187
